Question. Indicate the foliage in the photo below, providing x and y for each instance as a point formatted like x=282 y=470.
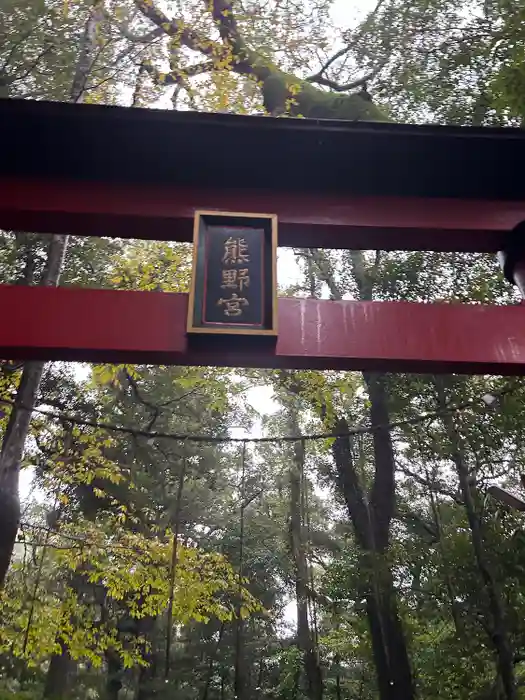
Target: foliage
x=132 y=570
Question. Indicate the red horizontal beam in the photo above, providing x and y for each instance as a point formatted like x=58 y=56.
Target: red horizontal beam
x=305 y=220
x=149 y=327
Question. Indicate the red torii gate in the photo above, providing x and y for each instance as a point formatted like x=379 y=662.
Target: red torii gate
x=92 y=170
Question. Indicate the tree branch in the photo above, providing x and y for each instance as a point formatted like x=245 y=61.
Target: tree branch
x=234 y=55
x=437 y=487
x=339 y=54
x=86 y=59
x=126 y=32
x=319 y=79
x=325 y=273
x=177 y=28
x=17 y=45
x=178 y=77
x=15 y=78
x=224 y=18
x=140 y=39
x=409 y=517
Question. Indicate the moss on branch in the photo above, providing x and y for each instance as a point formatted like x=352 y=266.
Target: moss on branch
x=285 y=94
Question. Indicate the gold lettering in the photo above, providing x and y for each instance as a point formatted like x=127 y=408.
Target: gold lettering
x=243 y=278
x=235 y=251
x=235 y=279
x=233 y=305
x=229 y=279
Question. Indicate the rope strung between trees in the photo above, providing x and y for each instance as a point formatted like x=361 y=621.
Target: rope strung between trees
x=215 y=439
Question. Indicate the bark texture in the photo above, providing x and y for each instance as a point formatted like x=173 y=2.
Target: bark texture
x=371 y=513
x=305 y=641
x=500 y=632
x=59 y=676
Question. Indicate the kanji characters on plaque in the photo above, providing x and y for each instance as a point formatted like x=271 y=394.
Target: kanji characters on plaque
x=236 y=253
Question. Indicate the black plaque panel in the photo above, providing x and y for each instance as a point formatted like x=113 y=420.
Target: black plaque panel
x=233 y=286
x=234 y=259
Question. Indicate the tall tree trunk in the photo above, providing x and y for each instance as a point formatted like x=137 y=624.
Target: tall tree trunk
x=389 y=647
x=337 y=663
x=18 y=425
x=213 y=657
x=240 y=681
x=454 y=609
x=148 y=676
x=260 y=678
x=312 y=669
x=380 y=513
x=114 y=674
x=209 y=676
x=173 y=570
x=371 y=514
x=59 y=674
x=500 y=633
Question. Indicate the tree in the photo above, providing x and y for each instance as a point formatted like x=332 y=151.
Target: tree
x=17 y=428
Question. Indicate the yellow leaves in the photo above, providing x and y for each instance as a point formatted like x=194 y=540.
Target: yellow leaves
x=207 y=586
x=119 y=12
x=80 y=457
x=128 y=659
x=41 y=637
x=154 y=266
x=244 y=612
x=111 y=375
x=135 y=572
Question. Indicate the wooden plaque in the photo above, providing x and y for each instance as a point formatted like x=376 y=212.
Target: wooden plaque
x=234 y=285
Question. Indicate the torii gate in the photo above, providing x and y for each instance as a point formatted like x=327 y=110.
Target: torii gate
x=92 y=170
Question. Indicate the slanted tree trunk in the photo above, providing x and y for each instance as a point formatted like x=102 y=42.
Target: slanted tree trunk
x=500 y=633
x=18 y=425
x=314 y=682
x=371 y=513
x=389 y=648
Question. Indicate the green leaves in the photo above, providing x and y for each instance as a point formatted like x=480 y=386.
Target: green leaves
x=153 y=266
x=133 y=571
